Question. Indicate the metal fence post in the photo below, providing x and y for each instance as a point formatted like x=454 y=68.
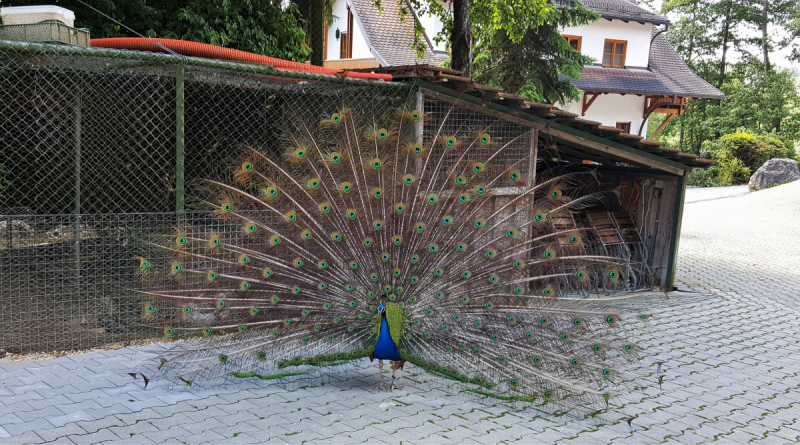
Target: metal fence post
x=77 y=204
x=180 y=124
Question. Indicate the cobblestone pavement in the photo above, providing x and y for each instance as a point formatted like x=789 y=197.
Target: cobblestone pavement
x=729 y=340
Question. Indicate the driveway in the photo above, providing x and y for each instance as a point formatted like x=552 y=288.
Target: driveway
x=729 y=340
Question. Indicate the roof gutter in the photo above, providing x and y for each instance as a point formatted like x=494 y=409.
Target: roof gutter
x=653 y=39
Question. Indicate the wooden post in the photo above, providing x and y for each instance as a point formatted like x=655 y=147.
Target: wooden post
x=180 y=125
x=533 y=157
x=675 y=234
x=419 y=130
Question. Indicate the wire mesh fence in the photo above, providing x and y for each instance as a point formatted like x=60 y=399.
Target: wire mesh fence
x=100 y=149
x=103 y=150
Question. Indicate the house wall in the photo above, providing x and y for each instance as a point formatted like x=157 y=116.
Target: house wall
x=594 y=35
x=361 y=49
x=609 y=109
x=434 y=26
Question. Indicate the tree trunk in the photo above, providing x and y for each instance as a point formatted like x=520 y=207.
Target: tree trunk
x=461 y=39
x=725 y=33
x=764 y=36
x=316 y=26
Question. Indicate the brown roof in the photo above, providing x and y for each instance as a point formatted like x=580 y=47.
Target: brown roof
x=666 y=75
x=389 y=36
x=624 y=10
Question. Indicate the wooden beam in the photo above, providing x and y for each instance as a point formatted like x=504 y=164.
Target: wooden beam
x=589 y=104
x=590 y=142
x=675 y=235
x=661 y=127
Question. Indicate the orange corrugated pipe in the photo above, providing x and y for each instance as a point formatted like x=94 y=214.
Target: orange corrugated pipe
x=195 y=49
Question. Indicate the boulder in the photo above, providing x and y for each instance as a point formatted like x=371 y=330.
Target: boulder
x=774 y=172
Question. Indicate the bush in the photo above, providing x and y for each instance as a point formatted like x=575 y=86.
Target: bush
x=703 y=177
x=752 y=150
x=730 y=169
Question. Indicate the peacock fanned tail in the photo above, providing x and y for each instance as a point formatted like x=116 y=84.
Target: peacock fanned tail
x=360 y=213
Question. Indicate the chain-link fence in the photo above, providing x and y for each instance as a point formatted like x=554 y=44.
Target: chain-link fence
x=101 y=148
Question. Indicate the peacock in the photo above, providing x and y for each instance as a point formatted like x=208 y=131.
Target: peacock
x=370 y=238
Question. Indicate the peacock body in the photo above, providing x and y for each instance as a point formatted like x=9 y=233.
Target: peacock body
x=368 y=240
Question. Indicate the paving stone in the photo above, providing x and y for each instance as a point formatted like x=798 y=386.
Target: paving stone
x=730 y=370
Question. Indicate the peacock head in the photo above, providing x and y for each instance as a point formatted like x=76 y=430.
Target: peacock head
x=382 y=306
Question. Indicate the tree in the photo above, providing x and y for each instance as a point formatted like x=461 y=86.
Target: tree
x=517 y=44
x=259 y=26
x=541 y=64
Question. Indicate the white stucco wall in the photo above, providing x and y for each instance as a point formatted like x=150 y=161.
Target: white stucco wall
x=594 y=35
x=609 y=109
x=433 y=26
x=360 y=46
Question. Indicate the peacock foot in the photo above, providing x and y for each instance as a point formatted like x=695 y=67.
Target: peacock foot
x=394 y=385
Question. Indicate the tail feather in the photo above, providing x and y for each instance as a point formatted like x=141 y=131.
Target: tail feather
x=482 y=262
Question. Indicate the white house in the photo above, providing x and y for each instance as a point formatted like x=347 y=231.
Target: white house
x=636 y=72
x=363 y=37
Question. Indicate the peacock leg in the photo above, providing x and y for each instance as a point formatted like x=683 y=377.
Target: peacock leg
x=380 y=372
x=395 y=367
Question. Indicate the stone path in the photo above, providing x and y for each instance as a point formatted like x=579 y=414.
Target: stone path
x=729 y=340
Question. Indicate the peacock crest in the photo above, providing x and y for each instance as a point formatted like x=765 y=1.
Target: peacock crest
x=374 y=239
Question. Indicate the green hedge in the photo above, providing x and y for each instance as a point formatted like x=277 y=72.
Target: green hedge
x=738 y=156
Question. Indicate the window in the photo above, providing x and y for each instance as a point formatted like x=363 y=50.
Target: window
x=624 y=126
x=346 y=38
x=574 y=42
x=614 y=53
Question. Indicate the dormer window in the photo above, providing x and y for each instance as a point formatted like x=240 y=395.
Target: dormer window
x=574 y=42
x=614 y=53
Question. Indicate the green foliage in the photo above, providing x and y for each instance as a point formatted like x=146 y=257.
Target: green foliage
x=703 y=177
x=259 y=26
x=738 y=155
x=752 y=150
x=540 y=64
x=730 y=169
x=518 y=44
x=716 y=39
